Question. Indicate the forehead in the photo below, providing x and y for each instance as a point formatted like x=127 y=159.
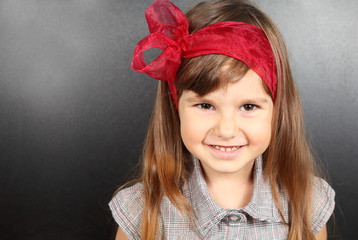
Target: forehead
x=248 y=87
x=207 y=73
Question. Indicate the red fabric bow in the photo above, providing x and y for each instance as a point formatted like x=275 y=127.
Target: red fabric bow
x=168 y=28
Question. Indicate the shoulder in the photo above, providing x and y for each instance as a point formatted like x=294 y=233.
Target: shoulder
x=126 y=207
x=322 y=204
x=127 y=195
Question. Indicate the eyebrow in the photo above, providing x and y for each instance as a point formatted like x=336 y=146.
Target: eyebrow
x=255 y=100
x=195 y=99
x=259 y=100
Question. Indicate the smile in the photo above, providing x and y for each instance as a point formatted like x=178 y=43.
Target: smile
x=226 y=152
x=225 y=149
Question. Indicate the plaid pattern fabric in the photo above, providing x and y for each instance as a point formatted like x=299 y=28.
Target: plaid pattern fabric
x=260 y=219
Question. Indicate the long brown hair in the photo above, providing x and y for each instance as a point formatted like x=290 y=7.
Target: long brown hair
x=288 y=162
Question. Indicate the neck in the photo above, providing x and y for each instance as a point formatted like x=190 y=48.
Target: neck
x=231 y=190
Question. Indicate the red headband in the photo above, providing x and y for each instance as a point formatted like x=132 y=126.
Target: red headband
x=168 y=28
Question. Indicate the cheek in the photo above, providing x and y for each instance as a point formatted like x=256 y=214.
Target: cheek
x=186 y=132
x=192 y=129
x=259 y=134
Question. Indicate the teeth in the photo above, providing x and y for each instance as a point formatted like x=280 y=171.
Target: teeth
x=229 y=149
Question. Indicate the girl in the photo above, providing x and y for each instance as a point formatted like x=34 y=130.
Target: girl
x=225 y=155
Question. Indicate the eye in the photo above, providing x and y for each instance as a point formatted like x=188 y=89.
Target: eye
x=205 y=106
x=248 y=107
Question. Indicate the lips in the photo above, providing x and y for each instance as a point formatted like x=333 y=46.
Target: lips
x=226 y=151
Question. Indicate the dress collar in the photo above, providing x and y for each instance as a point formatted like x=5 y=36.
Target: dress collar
x=208 y=213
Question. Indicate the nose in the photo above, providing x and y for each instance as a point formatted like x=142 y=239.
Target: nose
x=226 y=126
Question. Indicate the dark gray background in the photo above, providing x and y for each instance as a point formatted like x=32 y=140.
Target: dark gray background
x=73 y=114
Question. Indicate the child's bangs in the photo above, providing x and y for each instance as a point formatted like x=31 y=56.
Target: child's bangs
x=207 y=73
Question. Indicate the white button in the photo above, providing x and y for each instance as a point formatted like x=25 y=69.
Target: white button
x=234 y=218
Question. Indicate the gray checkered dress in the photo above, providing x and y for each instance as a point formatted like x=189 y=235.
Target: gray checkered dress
x=260 y=219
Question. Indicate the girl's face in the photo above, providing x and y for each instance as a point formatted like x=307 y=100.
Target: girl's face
x=229 y=128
